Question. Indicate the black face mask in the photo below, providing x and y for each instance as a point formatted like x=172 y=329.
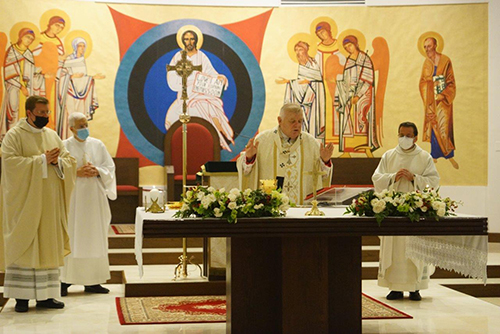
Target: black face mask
x=40 y=121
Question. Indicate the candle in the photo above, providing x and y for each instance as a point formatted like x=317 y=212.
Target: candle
x=154 y=194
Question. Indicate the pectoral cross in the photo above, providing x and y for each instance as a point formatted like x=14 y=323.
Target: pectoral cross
x=184 y=68
x=316 y=172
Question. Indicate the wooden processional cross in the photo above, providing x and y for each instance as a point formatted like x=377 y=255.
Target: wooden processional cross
x=184 y=68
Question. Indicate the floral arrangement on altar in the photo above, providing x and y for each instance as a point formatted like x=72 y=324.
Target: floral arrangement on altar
x=212 y=203
x=415 y=204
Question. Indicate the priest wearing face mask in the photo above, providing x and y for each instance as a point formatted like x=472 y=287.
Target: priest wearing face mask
x=38 y=176
x=89 y=212
x=404 y=168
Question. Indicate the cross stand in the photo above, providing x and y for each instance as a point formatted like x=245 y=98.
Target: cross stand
x=314 y=210
x=184 y=68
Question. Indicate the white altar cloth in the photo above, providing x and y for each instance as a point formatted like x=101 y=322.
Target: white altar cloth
x=467 y=255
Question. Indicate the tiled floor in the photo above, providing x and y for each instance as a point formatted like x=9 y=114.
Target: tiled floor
x=441 y=310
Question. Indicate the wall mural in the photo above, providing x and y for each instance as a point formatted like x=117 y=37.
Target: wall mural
x=354 y=75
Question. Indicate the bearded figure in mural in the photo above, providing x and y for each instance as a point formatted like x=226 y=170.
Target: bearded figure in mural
x=21 y=78
x=200 y=104
x=308 y=91
x=76 y=89
x=437 y=89
x=331 y=62
x=355 y=102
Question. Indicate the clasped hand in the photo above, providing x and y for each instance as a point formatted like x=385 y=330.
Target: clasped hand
x=87 y=170
x=404 y=173
x=52 y=156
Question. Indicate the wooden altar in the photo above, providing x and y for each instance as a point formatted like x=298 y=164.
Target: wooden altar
x=300 y=274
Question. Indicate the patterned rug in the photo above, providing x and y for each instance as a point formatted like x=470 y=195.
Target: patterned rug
x=187 y=309
x=123 y=228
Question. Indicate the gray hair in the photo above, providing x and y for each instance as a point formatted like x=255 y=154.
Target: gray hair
x=291 y=107
x=75 y=116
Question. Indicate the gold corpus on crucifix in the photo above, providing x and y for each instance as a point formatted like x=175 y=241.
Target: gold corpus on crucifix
x=184 y=68
x=315 y=174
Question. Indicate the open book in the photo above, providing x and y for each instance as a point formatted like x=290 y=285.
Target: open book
x=338 y=194
x=208 y=85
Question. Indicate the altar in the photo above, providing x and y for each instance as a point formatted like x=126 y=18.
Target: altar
x=299 y=274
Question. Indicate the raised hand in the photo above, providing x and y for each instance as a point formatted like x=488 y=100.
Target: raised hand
x=325 y=152
x=251 y=148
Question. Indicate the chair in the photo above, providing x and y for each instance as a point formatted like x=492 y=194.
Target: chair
x=202 y=146
x=128 y=191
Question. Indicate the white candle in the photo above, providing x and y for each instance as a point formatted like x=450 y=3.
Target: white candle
x=153 y=195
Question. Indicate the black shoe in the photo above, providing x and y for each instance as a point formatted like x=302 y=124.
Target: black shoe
x=97 y=288
x=49 y=303
x=64 y=289
x=21 y=305
x=393 y=295
x=415 y=295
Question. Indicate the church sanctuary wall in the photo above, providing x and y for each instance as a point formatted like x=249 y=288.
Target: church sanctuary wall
x=130 y=45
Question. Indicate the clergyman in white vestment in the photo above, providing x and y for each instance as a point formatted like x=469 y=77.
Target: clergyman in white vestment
x=89 y=214
x=287 y=152
x=404 y=168
x=37 y=180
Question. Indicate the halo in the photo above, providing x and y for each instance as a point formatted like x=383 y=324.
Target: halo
x=327 y=19
x=301 y=36
x=193 y=28
x=14 y=32
x=78 y=33
x=45 y=18
x=424 y=36
x=359 y=35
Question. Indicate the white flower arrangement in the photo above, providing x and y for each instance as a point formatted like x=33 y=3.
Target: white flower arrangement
x=212 y=203
x=415 y=204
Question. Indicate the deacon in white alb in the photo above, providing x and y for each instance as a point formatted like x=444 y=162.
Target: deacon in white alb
x=89 y=215
x=404 y=168
x=287 y=152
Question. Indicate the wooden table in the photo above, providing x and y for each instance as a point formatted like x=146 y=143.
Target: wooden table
x=300 y=274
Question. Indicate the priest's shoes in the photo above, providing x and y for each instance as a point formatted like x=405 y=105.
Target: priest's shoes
x=49 y=303
x=64 y=289
x=21 y=305
x=415 y=295
x=97 y=288
x=393 y=295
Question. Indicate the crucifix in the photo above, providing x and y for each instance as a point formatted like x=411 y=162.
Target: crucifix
x=184 y=68
x=315 y=174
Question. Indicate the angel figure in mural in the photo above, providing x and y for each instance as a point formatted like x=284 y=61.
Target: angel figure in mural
x=437 y=89
x=50 y=54
x=76 y=88
x=21 y=78
x=331 y=62
x=307 y=90
x=204 y=88
x=355 y=102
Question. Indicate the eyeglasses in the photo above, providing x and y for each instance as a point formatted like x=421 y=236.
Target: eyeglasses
x=42 y=113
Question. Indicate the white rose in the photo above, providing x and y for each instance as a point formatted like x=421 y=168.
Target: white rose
x=441 y=212
x=221 y=190
x=285 y=199
x=423 y=208
x=247 y=192
x=235 y=191
x=419 y=203
x=232 y=205
x=436 y=205
x=211 y=189
x=284 y=207
x=200 y=196
x=217 y=213
x=379 y=207
x=374 y=202
x=232 y=197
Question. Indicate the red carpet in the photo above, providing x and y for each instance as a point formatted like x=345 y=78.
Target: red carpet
x=191 y=309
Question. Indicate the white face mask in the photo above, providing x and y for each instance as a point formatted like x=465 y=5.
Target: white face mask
x=405 y=143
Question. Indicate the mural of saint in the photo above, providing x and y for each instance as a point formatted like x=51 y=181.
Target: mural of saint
x=307 y=90
x=21 y=79
x=437 y=89
x=76 y=88
x=355 y=102
x=331 y=62
x=50 y=55
x=199 y=104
